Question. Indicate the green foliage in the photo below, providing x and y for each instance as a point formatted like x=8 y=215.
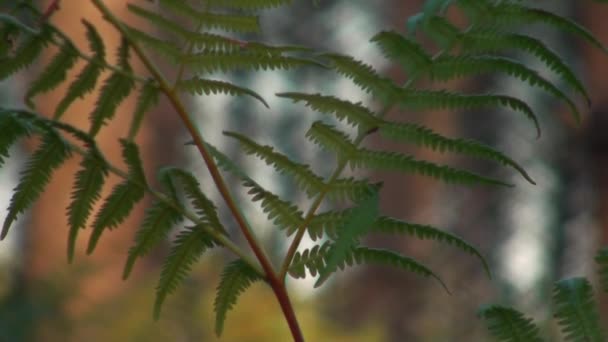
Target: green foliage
x=236 y=278
x=575 y=310
x=212 y=37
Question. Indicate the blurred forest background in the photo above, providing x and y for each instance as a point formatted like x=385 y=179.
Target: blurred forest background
x=532 y=235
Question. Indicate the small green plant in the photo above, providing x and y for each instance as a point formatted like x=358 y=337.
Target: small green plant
x=574 y=308
x=207 y=45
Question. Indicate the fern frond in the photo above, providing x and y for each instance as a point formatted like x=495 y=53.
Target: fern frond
x=509 y=325
x=509 y=14
x=115 y=89
x=54 y=73
x=246 y=4
x=602 y=260
x=233 y=23
x=364 y=76
x=188 y=247
x=204 y=206
x=285 y=215
x=331 y=139
x=352 y=189
x=442 y=99
x=449 y=67
x=162 y=47
x=12 y=129
x=492 y=41
x=423 y=136
x=306 y=179
x=147 y=99
x=409 y=54
x=200 y=86
x=87 y=188
x=215 y=61
x=235 y=279
x=576 y=311
x=354 y=114
x=357 y=224
x=26 y=53
x=51 y=154
x=87 y=79
x=331 y=222
x=118 y=205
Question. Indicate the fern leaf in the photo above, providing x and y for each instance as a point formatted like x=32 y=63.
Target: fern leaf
x=118 y=205
x=251 y=5
x=301 y=173
x=358 y=223
x=491 y=41
x=353 y=113
x=87 y=79
x=26 y=53
x=576 y=311
x=285 y=215
x=54 y=73
x=147 y=99
x=441 y=99
x=364 y=76
x=233 y=23
x=509 y=325
x=214 y=61
x=203 y=205
x=447 y=68
x=352 y=189
x=51 y=154
x=331 y=139
x=165 y=48
x=235 y=279
x=87 y=188
x=116 y=88
x=12 y=129
x=423 y=136
x=512 y=15
x=189 y=245
x=408 y=53
x=202 y=86
x=602 y=260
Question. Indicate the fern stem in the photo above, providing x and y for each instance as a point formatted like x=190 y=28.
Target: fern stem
x=275 y=282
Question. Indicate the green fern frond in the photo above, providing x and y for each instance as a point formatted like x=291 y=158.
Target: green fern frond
x=87 y=187
x=162 y=47
x=602 y=260
x=118 y=205
x=351 y=189
x=442 y=99
x=423 y=136
x=246 y=4
x=204 y=206
x=312 y=259
x=227 y=22
x=26 y=53
x=353 y=113
x=51 y=154
x=12 y=129
x=492 y=41
x=54 y=73
x=200 y=86
x=331 y=222
x=306 y=179
x=147 y=99
x=115 y=89
x=285 y=215
x=188 y=247
x=358 y=223
x=412 y=57
x=449 y=67
x=576 y=311
x=441 y=31
x=331 y=139
x=87 y=79
x=216 y=61
x=235 y=279
x=509 y=325
x=364 y=76
x=509 y=14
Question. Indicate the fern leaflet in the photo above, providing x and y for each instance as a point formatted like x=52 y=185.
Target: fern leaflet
x=201 y=86
x=509 y=325
x=575 y=310
x=12 y=129
x=26 y=53
x=147 y=99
